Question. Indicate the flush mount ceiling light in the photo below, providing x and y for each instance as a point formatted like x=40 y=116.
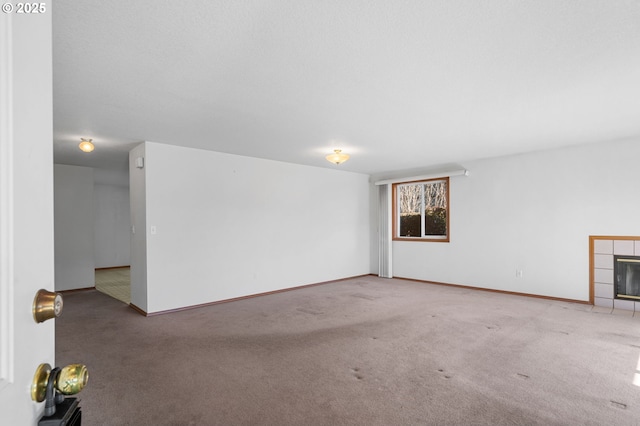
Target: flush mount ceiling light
x=337 y=157
x=86 y=145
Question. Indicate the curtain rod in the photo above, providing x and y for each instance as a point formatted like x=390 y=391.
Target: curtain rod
x=461 y=172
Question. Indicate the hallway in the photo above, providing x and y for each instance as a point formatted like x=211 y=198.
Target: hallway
x=115 y=282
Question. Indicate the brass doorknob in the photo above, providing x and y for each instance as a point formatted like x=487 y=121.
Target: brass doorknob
x=68 y=381
x=46 y=305
x=72 y=379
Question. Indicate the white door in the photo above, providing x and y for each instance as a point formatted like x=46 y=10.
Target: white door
x=26 y=205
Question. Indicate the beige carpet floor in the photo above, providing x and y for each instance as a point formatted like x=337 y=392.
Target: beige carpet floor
x=363 y=351
x=115 y=282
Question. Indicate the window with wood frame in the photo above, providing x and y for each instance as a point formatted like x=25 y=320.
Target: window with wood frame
x=421 y=210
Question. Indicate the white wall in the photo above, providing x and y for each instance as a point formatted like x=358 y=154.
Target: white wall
x=111 y=225
x=138 y=253
x=531 y=212
x=117 y=177
x=230 y=226
x=73 y=227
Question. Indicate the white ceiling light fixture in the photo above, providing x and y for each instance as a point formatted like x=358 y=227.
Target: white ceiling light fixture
x=338 y=157
x=86 y=145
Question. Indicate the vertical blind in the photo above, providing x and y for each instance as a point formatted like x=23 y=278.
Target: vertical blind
x=384 y=232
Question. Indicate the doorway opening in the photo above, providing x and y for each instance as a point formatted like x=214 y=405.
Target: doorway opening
x=115 y=282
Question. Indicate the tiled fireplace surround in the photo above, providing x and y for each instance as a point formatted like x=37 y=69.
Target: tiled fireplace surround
x=602 y=251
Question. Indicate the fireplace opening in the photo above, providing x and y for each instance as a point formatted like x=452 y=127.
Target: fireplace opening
x=627 y=277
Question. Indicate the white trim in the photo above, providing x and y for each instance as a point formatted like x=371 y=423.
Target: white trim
x=6 y=204
x=461 y=172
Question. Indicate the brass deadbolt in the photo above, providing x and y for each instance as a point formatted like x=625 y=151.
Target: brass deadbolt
x=46 y=305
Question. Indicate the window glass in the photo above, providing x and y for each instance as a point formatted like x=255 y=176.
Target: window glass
x=422 y=210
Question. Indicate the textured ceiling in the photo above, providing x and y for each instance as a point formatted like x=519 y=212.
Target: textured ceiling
x=396 y=84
